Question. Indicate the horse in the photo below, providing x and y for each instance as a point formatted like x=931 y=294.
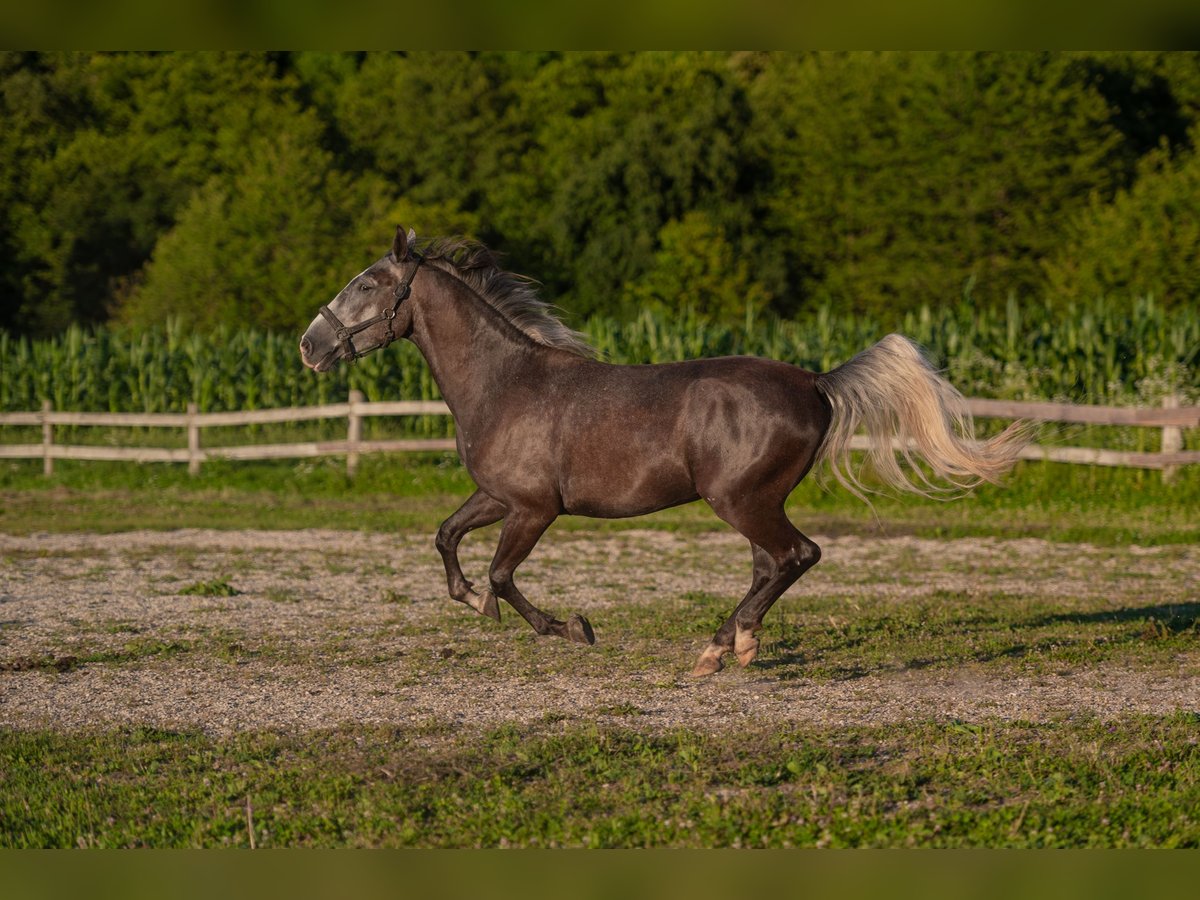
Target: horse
x=544 y=428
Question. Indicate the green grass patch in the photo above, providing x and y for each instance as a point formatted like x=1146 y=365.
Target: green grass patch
x=415 y=492
x=1130 y=783
x=834 y=637
x=1000 y=634
x=217 y=587
x=402 y=475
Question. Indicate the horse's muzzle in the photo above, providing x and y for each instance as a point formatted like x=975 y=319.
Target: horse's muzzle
x=316 y=363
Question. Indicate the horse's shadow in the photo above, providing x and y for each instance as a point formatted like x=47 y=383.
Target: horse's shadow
x=794 y=657
x=1177 y=617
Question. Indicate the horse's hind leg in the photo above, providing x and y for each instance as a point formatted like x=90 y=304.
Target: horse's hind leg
x=723 y=641
x=479 y=510
x=791 y=554
x=520 y=533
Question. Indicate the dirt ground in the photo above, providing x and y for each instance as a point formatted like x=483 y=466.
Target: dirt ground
x=329 y=628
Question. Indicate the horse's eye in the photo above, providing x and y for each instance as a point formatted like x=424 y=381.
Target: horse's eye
x=363 y=286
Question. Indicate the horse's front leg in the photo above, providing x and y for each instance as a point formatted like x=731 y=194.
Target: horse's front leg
x=479 y=510
x=521 y=531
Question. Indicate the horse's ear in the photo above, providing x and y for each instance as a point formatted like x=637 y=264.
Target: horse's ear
x=400 y=244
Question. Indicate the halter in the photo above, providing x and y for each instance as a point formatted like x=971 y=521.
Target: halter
x=386 y=314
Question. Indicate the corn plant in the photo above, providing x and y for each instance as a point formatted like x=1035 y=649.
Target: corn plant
x=1108 y=351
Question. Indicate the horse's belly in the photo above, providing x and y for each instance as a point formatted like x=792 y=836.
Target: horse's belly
x=621 y=486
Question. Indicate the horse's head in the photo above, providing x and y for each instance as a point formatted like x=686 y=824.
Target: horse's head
x=370 y=312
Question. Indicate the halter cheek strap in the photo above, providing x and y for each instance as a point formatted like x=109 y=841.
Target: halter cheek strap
x=345 y=334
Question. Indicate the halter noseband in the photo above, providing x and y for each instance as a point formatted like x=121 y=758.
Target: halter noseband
x=386 y=314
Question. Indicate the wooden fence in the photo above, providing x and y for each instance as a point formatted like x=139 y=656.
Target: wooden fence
x=1171 y=419
x=354 y=411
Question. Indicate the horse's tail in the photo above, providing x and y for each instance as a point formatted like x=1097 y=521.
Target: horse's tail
x=894 y=391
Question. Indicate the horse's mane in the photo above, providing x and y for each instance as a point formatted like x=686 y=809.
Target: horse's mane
x=513 y=296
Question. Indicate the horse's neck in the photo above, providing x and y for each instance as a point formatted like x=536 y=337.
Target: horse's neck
x=472 y=351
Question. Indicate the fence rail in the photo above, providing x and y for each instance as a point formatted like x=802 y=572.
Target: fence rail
x=1171 y=419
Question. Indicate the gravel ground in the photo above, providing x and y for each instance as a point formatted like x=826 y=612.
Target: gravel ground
x=330 y=628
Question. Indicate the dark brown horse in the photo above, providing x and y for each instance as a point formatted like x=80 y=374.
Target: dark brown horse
x=545 y=429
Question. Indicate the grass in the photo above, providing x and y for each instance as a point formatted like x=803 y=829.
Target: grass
x=217 y=587
x=831 y=636
x=1004 y=637
x=561 y=781
x=414 y=492
x=1132 y=783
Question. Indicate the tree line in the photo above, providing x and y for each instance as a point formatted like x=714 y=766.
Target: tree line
x=219 y=189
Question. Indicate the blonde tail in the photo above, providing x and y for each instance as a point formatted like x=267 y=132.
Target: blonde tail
x=894 y=392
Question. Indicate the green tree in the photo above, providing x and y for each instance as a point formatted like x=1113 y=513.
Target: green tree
x=44 y=97
x=878 y=180
x=618 y=145
x=1146 y=241
x=696 y=267
x=896 y=177
x=426 y=121
x=95 y=202
x=265 y=245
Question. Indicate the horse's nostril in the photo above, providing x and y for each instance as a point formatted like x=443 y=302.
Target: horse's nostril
x=305 y=346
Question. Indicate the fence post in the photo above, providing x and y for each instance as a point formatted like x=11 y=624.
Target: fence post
x=353 y=433
x=47 y=440
x=193 y=431
x=1172 y=438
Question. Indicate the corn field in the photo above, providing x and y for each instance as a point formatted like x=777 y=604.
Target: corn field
x=1107 y=352
x=1130 y=353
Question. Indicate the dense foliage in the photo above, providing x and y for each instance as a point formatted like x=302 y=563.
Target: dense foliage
x=232 y=189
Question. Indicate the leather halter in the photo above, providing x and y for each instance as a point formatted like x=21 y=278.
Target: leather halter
x=386 y=314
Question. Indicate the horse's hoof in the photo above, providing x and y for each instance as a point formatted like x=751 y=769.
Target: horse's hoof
x=580 y=631
x=745 y=647
x=485 y=604
x=709 y=662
